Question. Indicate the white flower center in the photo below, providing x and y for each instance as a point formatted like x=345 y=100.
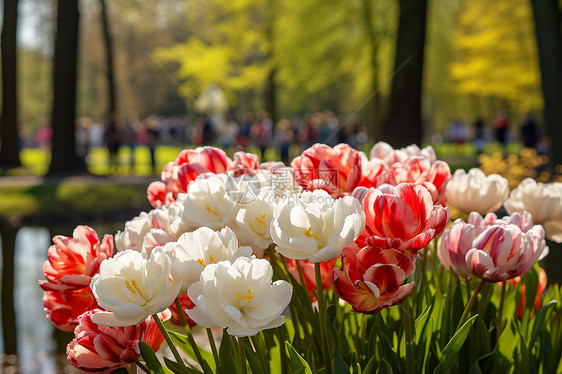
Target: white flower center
x=309 y=234
x=133 y=288
x=203 y=263
x=243 y=300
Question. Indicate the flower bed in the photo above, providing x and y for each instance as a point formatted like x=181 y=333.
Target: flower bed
x=338 y=263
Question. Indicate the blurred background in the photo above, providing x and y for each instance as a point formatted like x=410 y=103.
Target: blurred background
x=98 y=95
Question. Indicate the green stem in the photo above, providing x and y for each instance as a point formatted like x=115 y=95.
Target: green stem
x=170 y=342
x=213 y=347
x=301 y=275
x=143 y=368
x=281 y=336
x=132 y=369
x=321 y=316
x=195 y=347
x=467 y=288
x=470 y=304
x=500 y=309
x=242 y=355
x=183 y=321
x=406 y=315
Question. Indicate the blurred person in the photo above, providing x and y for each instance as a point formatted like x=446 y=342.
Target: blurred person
x=43 y=136
x=284 y=138
x=530 y=131
x=501 y=127
x=208 y=133
x=112 y=139
x=479 y=135
x=262 y=131
x=458 y=132
x=228 y=132
x=130 y=139
x=246 y=122
x=152 y=139
x=97 y=131
x=82 y=135
x=357 y=135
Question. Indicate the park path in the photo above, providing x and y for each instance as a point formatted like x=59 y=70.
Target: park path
x=31 y=181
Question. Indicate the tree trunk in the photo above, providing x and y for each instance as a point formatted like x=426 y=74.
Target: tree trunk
x=64 y=158
x=8 y=235
x=374 y=110
x=549 y=41
x=403 y=125
x=9 y=151
x=108 y=41
x=271 y=86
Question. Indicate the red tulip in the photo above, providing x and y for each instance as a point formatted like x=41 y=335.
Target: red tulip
x=185 y=303
x=372 y=279
x=64 y=307
x=73 y=261
x=401 y=217
x=245 y=160
x=336 y=170
x=101 y=349
x=326 y=268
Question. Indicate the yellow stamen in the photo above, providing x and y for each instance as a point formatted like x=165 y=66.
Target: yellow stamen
x=309 y=234
x=134 y=288
x=247 y=296
x=202 y=262
x=210 y=210
x=261 y=221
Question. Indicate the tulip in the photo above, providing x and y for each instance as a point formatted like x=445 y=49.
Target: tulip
x=372 y=279
x=185 y=303
x=73 y=261
x=239 y=296
x=131 y=287
x=133 y=234
x=244 y=160
x=336 y=170
x=315 y=227
x=401 y=217
x=538 y=297
x=383 y=151
x=64 y=307
x=195 y=250
x=476 y=192
x=543 y=201
x=158 y=195
x=206 y=203
x=307 y=267
x=101 y=349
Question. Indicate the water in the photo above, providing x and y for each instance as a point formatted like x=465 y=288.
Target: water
x=36 y=345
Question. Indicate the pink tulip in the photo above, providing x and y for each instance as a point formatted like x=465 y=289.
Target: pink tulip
x=492 y=249
x=245 y=160
x=73 y=261
x=374 y=173
x=189 y=164
x=336 y=170
x=372 y=279
x=101 y=349
x=401 y=217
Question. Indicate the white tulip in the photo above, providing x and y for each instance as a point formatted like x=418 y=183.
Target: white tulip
x=133 y=234
x=240 y=297
x=389 y=155
x=131 y=287
x=543 y=201
x=205 y=203
x=476 y=192
x=195 y=250
x=315 y=227
x=254 y=221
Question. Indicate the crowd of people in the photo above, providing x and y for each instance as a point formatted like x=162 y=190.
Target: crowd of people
x=500 y=131
x=239 y=131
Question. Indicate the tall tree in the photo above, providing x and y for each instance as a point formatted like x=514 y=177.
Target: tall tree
x=403 y=124
x=110 y=72
x=548 y=23
x=64 y=159
x=9 y=151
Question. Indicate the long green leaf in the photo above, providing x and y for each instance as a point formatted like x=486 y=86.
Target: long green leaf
x=540 y=321
x=449 y=354
x=183 y=344
x=151 y=360
x=298 y=363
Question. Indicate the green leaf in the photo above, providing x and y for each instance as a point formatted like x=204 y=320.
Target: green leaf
x=370 y=367
x=540 y=322
x=449 y=355
x=151 y=360
x=384 y=367
x=182 y=343
x=226 y=355
x=298 y=363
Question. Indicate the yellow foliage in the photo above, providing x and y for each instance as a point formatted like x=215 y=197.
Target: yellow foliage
x=495 y=52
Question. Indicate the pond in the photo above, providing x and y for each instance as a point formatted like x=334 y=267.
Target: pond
x=24 y=329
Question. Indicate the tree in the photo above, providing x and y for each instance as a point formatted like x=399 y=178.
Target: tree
x=495 y=53
x=64 y=159
x=548 y=23
x=9 y=151
x=403 y=124
x=110 y=70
